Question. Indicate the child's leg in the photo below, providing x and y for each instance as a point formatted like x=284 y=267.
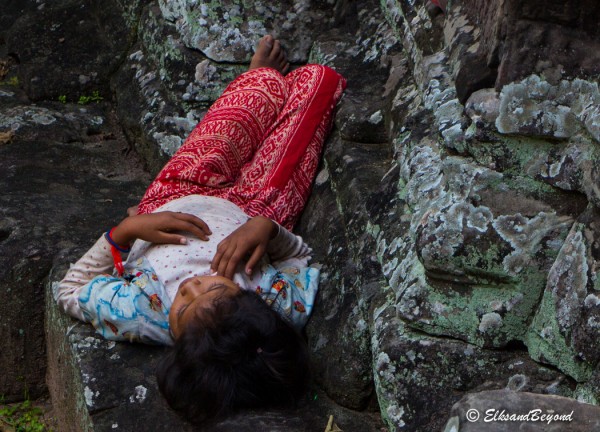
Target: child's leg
x=276 y=183
x=226 y=138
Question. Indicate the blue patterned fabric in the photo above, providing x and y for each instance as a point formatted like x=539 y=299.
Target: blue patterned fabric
x=132 y=308
x=290 y=291
x=135 y=307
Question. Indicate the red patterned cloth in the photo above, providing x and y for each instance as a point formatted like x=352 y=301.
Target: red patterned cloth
x=258 y=145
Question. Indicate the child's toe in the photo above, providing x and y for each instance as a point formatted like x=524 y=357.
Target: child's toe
x=276 y=50
x=265 y=46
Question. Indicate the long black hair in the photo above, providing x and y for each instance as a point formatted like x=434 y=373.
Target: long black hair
x=239 y=354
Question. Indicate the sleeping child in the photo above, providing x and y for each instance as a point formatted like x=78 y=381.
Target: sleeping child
x=207 y=263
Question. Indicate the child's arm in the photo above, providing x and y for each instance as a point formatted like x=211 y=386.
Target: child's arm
x=287 y=245
x=96 y=261
x=291 y=273
x=158 y=227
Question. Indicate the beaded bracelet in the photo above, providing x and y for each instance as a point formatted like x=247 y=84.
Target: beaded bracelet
x=109 y=239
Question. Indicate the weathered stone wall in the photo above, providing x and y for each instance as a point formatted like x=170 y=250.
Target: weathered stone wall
x=456 y=214
x=493 y=275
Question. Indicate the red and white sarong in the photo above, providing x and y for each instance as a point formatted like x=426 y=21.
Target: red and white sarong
x=258 y=145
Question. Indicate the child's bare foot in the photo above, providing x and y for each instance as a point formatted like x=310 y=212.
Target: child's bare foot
x=269 y=53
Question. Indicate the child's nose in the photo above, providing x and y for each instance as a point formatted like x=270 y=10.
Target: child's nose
x=185 y=287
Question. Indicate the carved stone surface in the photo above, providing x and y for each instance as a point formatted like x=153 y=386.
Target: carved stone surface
x=562 y=37
x=66 y=48
x=228 y=31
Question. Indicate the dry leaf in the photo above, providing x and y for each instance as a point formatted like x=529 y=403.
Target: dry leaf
x=6 y=137
x=331 y=426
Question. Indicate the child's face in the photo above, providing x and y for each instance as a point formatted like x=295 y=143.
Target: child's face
x=194 y=297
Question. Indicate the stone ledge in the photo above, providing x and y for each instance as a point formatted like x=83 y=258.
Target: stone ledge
x=99 y=385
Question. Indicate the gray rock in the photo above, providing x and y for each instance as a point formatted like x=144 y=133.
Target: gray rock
x=64 y=181
x=536 y=107
x=489 y=38
x=65 y=49
x=565 y=328
x=228 y=31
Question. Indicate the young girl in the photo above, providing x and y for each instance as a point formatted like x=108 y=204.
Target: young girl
x=213 y=269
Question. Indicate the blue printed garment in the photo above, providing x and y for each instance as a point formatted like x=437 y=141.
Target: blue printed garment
x=135 y=307
x=290 y=291
x=132 y=308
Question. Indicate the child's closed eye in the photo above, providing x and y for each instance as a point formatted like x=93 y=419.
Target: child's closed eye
x=182 y=309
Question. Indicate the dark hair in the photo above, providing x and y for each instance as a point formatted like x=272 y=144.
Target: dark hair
x=241 y=354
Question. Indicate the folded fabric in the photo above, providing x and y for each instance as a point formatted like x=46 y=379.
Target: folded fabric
x=132 y=308
x=289 y=290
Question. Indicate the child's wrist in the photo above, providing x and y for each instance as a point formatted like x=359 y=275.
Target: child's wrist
x=116 y=249
x=116 y=239
x=273 y=226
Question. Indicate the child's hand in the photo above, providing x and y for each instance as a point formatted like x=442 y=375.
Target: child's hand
x=251 y=239
x=160 y=227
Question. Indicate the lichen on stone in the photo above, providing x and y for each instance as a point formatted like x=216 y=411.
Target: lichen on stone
x=536 y=107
